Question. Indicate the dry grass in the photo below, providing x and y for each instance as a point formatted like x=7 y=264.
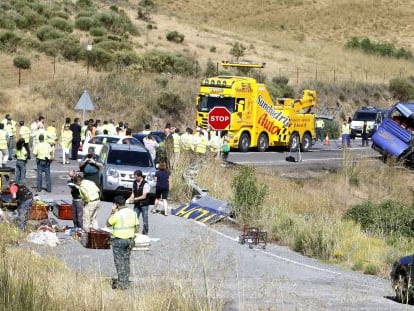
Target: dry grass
x=308 y=214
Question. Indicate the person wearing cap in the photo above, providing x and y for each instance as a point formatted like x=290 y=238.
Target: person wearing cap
x=24 y=132
x=66 y=143
x=140 y=198
x=125 y=224
x=43 y=153
x=90 y=166
x=90 y=195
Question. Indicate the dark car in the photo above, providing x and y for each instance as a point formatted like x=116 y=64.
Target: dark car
x=402 y=278
x=159 y=136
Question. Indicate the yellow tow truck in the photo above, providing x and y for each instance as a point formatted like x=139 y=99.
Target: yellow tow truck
x=257 y=121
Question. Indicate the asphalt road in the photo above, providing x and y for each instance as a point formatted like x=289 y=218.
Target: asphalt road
x=209 y=259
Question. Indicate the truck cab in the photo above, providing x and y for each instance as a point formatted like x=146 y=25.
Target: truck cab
x=395 y=135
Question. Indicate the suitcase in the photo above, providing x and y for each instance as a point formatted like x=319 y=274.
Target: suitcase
x=38 y=212
x=96 y=239
x=62 y=210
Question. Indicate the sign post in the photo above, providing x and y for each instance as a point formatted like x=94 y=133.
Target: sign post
x=219 y=119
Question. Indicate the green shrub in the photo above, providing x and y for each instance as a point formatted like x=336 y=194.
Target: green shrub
x=48 y=32
x=126 y=58
x=97 y=31
x=100 y=59
x=31 y=43
x=32 y=19
x=170 y=104
x=402 y=89
x=388 y=218
x=85 y=4
x=70 y=48
x=371 y=269
x=61 y=24
x=117 y=23
x=9 y=41
x=211 y=69
x=279 y=88
x=237 y=50
x=175 y=36
x=382 y=49
x=84 y=23
x=315 y=242
x=112 y=45
x=213 y=49
x=248 y=194
x=6 y=22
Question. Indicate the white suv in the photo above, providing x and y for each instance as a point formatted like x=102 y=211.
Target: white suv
x=372 y=115
x=119 y=164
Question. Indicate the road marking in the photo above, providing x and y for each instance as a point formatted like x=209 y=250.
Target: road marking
x=268 y=253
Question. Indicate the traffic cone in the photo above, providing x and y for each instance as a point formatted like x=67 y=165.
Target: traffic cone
x=326 y=142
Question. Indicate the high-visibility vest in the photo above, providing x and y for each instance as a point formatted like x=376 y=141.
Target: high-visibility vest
x=42 y=151
x=3 y=139
x=215 y=143
x=176 y=142
x=24 y=132
x=320 y=123
x=83 y=132
x=124 y=222
x=345 y=129
x=202 y=143
x=51 y=134
x=21 y=154
x=66 y=138
x=89 y=191
x=11 y=128
x=187 y=141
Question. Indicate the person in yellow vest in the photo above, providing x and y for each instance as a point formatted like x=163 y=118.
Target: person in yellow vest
x=319 y=126
x=125 y=224
x=43 y=153
x=67 y=121
x=33 y=133
x=51 y=137
x=21 y=161
x=40 y=129
x=214 y=143
x=4 y=154
x=89 y=192
x=24 y=132
x=187 y=140
x=202 y=143
x=10 y=127
x=345 y=134
x=83 y=131
x=176 y=140
x=66 y=143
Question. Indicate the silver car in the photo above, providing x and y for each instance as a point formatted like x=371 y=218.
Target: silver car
x=119 y=164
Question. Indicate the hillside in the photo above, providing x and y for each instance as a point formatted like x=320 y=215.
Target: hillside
x=302 y=40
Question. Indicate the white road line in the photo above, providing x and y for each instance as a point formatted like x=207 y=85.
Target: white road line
x=268 y=253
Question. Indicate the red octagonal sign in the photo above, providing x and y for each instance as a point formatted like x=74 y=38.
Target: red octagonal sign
x=219 y=118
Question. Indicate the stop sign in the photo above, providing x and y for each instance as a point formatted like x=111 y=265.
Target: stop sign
x=219 y=118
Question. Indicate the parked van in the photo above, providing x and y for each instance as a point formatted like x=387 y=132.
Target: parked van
x=372 y=115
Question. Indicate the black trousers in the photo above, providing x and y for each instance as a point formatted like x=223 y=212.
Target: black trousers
x=75 y=148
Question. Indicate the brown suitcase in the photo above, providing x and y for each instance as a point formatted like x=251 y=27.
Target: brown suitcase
x=38 y=212
x=62 y=210
x=96 y=239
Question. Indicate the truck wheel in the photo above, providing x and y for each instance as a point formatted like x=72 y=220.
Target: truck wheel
x=262 y=142
x=294 y=142
x=306 y=142
x=244 y=142
x=400 y=286
x=102 y=196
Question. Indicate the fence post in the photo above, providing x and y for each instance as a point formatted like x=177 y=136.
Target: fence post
x=334 y=75
x=316 y=74
x=297 y=75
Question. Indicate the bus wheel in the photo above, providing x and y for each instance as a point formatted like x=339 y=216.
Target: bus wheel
x=262 y=142
x=244 y=142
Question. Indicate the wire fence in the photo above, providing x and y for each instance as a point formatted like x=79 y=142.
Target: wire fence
x=51 y=69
